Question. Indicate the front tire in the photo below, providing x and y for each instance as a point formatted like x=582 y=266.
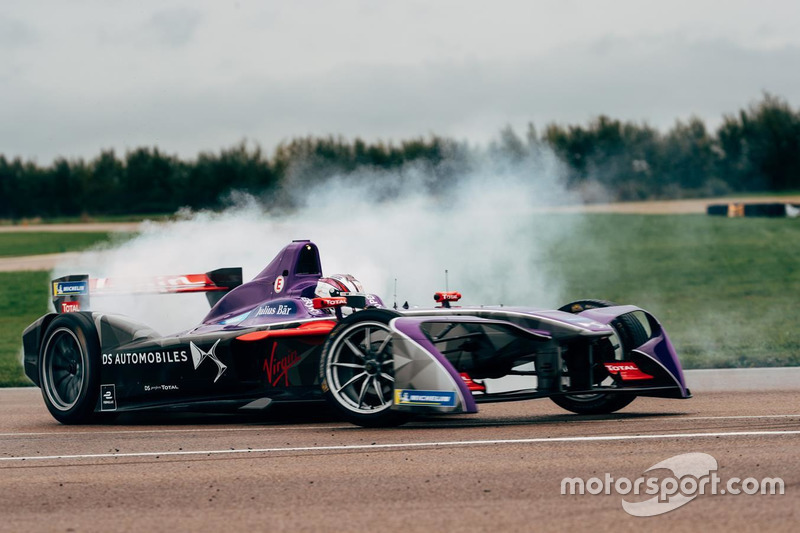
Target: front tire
x=629 y=334
x=593 y=404
x=69 y=368
x=357 y=369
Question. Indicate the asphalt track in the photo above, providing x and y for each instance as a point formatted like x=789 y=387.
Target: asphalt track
x=302 y=470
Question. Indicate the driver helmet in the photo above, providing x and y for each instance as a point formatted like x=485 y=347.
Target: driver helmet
x=337 y=284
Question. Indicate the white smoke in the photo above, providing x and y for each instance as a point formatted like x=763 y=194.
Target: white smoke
x=483 y=228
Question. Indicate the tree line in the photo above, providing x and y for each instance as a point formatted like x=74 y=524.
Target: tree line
x=756 y=149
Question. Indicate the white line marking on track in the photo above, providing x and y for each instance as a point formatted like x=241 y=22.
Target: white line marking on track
x=690 y=418
x=66 y=433
x=410 y=445
x=197 y=430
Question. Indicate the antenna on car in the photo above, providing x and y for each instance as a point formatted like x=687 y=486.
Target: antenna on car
x=395 y=293
x=446 y=288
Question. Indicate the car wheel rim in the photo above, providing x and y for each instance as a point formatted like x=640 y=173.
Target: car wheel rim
x=360 y=371
x=64 y=369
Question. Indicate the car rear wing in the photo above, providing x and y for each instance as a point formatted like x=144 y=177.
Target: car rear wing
x=72 y=293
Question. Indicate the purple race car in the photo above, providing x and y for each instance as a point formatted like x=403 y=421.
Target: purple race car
x=292 y=335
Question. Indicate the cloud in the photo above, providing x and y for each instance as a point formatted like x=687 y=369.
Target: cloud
x=656 y=79
x=173 y=27
x=15 y=33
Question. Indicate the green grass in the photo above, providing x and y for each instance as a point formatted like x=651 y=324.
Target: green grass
x=20 y=304
x=23 y=295
x=726 y=290
x=33 y=243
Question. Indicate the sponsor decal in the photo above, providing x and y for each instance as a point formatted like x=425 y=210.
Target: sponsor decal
x=309 y=305
x=108 y=398
x=279 y=281
x=277 y=369
x=166 y=357
x=451 y=296
x=334 y=301
x=179 y=281
x=70 y=307
x=138 y=358
x=473 y=386
x=70 y=288
x=155 y=388
x=626 y=371
x=372 y=301
x=439 y=398
x=198 y=356
x=277 y=310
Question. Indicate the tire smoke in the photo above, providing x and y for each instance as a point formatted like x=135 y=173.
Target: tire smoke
x=483 y=227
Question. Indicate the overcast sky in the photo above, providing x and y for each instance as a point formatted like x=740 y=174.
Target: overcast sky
x=79 y=76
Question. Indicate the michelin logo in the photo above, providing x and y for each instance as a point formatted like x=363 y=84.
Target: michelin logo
x=438 y=398
x=70 y=288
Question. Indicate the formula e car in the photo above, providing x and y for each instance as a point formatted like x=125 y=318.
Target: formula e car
x=276 y=339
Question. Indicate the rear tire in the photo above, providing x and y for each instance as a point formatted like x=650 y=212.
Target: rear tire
x=69 y=368
x=630 y=334
x=357 y=369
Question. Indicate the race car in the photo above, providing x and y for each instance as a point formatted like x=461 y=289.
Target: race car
x=292 y=335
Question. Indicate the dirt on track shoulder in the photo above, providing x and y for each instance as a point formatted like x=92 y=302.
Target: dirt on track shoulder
x=694 y=206
x=88 y=227
x=49 y=261
x=35 y=262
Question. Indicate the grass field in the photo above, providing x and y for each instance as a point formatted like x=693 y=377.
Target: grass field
x=23 y=295
x=23 y=299
x=33 y=243
x=726 y=290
